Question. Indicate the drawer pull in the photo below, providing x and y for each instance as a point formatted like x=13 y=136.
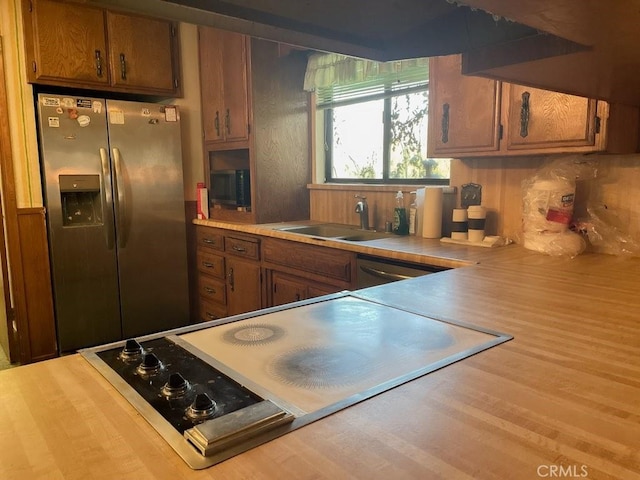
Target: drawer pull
x=238 y=248
x=209 y=290
x=210 y=316
x=209 y=241
x=208 y=264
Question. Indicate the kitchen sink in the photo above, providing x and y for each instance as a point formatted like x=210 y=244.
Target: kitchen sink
x=336 y=232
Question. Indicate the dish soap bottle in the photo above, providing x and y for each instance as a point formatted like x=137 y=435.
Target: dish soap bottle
x=400 y=223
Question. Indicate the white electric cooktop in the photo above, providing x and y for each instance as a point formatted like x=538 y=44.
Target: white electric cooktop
x=320 y=355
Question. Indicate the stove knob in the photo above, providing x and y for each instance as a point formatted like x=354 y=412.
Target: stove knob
x=132 y=350
x=177 y=381
x=176 y=386
x=202 y=408
x=150 y=365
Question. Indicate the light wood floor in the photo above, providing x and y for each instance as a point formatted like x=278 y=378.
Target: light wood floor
x=4 y=361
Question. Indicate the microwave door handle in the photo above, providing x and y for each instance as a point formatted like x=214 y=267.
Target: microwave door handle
x=107 y=198
x=119 y=200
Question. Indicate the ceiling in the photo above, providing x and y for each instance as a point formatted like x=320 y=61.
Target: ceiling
x=586 y=47
x=377 y=29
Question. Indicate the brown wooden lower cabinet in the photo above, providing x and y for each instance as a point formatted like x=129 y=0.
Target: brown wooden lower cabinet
x=211 y=311
x=239 y=273
x=297 y=271
x=243 y=286
x=287 y=288
x=326 y=265
x=229 y=273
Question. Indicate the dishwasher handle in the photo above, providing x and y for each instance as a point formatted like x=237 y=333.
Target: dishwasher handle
x=382 y=274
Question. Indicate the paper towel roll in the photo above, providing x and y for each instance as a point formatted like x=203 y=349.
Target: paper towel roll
x=432 y=215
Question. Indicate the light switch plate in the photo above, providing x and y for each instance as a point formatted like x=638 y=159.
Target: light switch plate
x=470 y=194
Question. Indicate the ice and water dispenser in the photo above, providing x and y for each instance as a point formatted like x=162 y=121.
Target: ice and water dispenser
x=81 y=200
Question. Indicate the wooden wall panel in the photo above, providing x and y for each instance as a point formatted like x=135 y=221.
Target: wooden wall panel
x=336 y=203
x=37 y=284
x=501 y=180
x=190 y=210
x=280 y=133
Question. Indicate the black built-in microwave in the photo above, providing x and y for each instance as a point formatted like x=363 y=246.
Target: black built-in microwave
x=230 y=187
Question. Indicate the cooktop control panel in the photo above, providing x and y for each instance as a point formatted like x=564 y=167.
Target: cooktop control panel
x=184 y=389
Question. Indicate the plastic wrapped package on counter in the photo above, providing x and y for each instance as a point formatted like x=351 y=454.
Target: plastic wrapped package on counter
x=605 y=233
x=565 y=243
x=560 y=219
x=548 y=207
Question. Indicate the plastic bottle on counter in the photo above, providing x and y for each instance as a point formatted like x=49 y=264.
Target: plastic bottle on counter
x=400 y=222
x=413 y=213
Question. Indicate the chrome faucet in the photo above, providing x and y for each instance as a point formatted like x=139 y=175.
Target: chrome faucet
x=363 y=209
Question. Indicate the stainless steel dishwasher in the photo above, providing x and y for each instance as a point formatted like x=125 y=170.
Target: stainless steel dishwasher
x=377 y=271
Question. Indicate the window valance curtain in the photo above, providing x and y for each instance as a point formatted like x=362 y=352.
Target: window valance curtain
x=337 y=79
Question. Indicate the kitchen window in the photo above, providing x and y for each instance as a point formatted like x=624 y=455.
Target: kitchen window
x=371 y=121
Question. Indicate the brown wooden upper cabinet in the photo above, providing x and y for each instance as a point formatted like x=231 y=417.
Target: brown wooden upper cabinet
x=255 y=118
x=464 y=112
x=68 y=44
x=475 y=117
x=225 y=88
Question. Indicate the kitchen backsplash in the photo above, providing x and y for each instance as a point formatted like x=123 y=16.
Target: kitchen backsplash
x=336 y=203
x=616 y=185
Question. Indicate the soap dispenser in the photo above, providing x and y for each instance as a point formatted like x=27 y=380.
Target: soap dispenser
x=400 y=222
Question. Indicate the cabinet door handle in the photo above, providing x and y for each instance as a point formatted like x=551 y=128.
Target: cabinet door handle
x=524 y=115
x=231 y=279
x=210 y=316
x=445 y=123
x=208 y=264
x=98 y=63
x=216 y=123
x=238 y=248
x=227 y=121
x=123 y=67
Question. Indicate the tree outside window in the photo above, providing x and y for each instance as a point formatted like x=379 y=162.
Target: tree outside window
x=382 y=140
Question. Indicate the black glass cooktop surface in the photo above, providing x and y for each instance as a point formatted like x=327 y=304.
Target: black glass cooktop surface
x=181 y=387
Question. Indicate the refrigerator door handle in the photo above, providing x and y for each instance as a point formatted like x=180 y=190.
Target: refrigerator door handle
x=119 y=198
x=106 y=198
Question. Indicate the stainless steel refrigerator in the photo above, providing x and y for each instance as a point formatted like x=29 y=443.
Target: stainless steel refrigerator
x=114 y=195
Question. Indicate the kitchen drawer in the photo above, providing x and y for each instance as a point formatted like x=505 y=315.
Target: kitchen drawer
x=210 y=263
x=246 y=247
x=210 y=238
x=211 y=311
x=327 y=262
x=212 y=289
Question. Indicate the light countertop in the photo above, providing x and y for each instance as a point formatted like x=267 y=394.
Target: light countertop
x=563 y=396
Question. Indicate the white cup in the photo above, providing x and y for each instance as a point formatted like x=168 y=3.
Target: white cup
x=477 y=217
x=459 y=226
